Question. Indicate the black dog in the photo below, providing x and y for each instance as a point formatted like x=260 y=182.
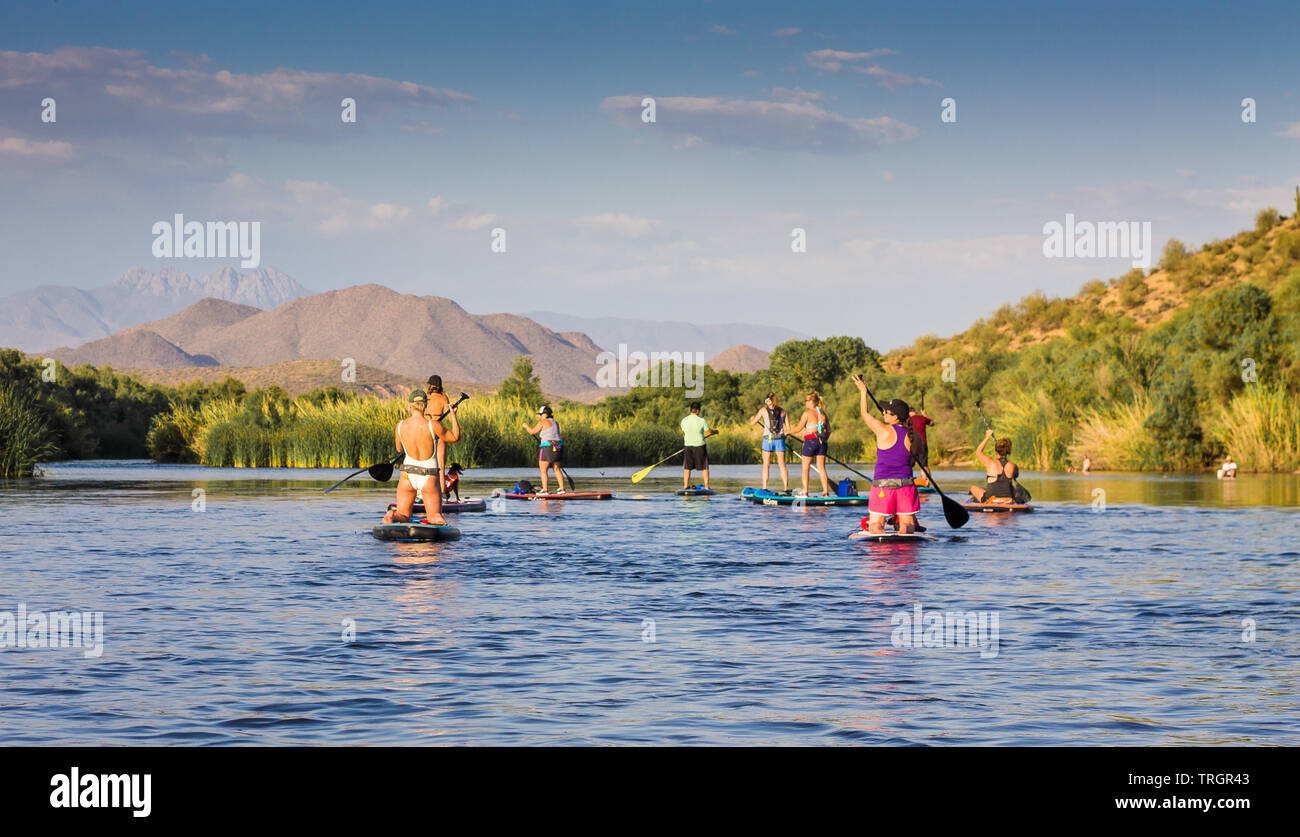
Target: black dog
x=451 y=485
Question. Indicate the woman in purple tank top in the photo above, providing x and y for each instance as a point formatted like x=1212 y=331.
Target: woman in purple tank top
x=892 y=489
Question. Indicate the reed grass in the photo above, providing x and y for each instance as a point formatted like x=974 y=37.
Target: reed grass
x=1116 y=439
x=1259 y=428
x=355 y=432
x=1039 y=436
x=24 y=438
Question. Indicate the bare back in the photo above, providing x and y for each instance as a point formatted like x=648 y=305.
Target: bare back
x=416 y=440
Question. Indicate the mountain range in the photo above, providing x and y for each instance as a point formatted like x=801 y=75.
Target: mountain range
x=661 y=336
x=262 y=323
x=369 y=324
x=53 y=315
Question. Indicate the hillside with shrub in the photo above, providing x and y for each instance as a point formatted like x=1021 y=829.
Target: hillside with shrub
x=1167 y=369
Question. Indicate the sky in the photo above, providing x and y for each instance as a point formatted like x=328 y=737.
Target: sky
x=526 y=117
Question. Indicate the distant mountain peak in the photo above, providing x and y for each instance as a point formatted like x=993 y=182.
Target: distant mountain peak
x=742 y=358
x=47 y=316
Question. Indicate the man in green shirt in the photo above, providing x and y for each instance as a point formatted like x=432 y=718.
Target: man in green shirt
x=696 y=430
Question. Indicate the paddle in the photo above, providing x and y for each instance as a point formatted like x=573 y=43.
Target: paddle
x=383 y=471
x=953 y=512
x=837 y=462
x=645 y=472
x=979 y=405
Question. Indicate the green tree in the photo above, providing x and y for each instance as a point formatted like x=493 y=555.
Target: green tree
x=522 y=386
x=1266 y=220
x=1175 y=253
x=818 y=364
x=1175 y=426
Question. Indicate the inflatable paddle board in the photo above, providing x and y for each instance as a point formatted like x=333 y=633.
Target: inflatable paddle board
x=761 y=497
x=415 y=532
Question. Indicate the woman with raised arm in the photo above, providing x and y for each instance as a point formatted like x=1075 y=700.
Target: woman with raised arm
x=892 y=490
x=1000 y=473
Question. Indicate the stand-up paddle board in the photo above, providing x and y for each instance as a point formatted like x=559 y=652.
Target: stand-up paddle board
x=695 y=491
x=763 y=497
x=567 y=495
x=997 y=507
x=415 y=532
x=890 y=537
x=469 y=504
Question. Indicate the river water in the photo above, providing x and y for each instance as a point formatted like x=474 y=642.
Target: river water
x=246 y=607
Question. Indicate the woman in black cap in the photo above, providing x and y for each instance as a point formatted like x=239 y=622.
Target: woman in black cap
x=550 y=452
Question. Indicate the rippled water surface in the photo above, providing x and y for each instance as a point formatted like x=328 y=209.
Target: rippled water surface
x=1158 y=611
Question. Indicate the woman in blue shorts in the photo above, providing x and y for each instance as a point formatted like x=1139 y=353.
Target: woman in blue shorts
x=773 y=419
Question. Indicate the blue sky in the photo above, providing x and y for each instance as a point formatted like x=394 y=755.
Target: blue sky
x=771 y=116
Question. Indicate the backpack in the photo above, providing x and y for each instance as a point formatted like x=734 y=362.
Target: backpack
x=846 y=488
x=825 y=432
x=523 y=487
x=775 y=421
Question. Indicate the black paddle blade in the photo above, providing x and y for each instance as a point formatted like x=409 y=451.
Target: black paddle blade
x=953 y=512
x=382 y=472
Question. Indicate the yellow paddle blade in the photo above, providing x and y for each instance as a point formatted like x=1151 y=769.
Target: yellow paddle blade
x=643 y=473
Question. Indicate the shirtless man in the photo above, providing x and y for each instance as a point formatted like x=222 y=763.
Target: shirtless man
x=417 y=436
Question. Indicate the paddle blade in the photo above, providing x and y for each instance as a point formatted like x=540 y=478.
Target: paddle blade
x=644 y=472
x=953 y=512
x=382 y=472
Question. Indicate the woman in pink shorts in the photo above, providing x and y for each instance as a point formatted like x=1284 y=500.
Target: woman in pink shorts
x=892 y=489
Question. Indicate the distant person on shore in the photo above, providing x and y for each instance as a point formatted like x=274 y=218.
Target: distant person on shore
x=417 y=436
x=920 y=421
x=815 y=427
x=893 y=492
x=1087 y=464
x=550 y=450
x=695 y=429
x=1228 y=471
x=1000 y=473
x=772 y=418
x=438 y=404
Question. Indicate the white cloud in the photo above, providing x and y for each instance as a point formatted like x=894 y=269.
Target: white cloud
x=788 y=32
x=120 y=93
x=762 y=124
x=50 y=149
x=436 y=205
x=1291 y=132
x=835 y=60
x=722 y=30
x=321 y=207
